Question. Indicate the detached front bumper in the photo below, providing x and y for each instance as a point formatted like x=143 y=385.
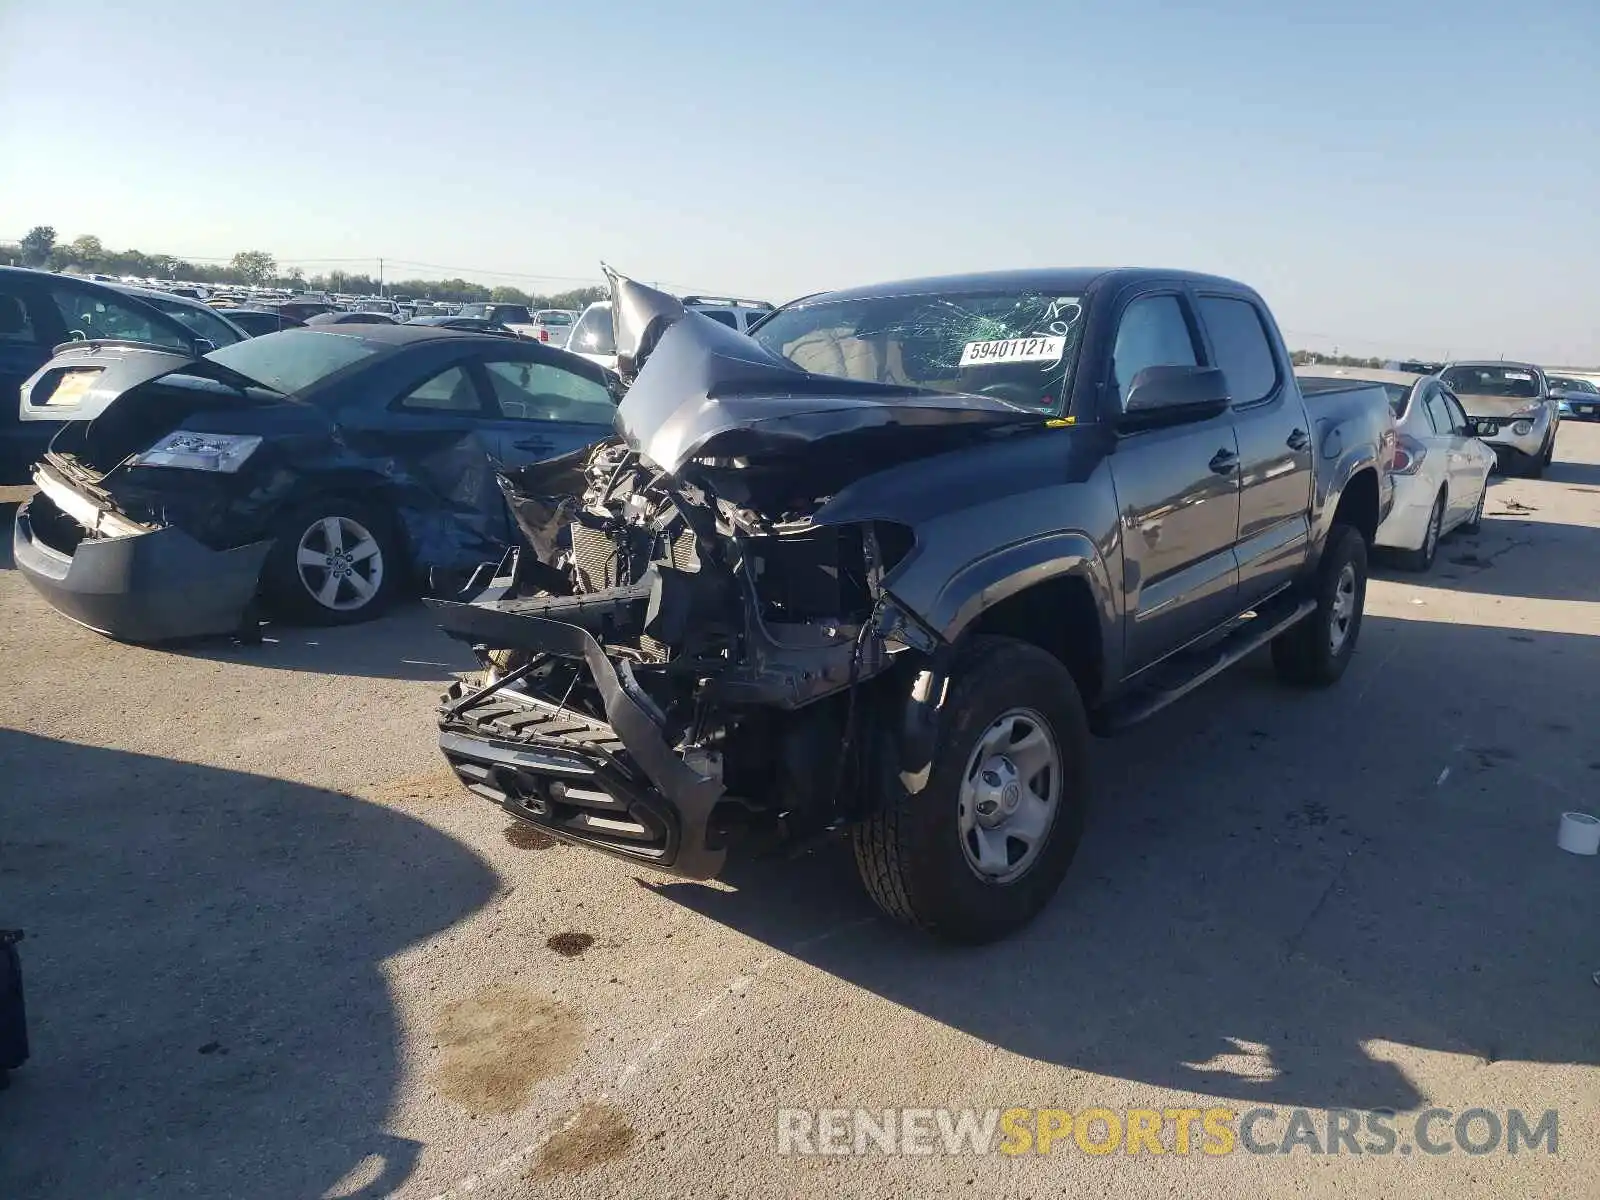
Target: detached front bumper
x=615 y=785
x=151 y=586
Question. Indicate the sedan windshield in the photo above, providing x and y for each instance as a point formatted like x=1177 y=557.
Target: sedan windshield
x=293 y=360
x=1016 y=346
x=1491 y=379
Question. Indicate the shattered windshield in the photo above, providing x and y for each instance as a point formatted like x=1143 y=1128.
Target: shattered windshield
x=1016 y=346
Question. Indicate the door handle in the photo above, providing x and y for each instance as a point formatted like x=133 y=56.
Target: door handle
x=1299 y=440
x=1223 y=462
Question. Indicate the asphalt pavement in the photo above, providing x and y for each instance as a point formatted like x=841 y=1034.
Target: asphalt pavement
x=275 y=951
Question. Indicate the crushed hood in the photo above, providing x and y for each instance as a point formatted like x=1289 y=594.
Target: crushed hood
x=702 y=390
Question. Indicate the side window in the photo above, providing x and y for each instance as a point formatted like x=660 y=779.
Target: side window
x=1439 y=412
x=89 y=316
x=1458 y=418
x=1242 y=347
x=530 y=391
x=16 y=326
x=721 y=316
x=1154 y=333
x=449 y=391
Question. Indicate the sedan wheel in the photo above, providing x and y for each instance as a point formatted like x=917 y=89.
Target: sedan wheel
x=340 y=564
x=1475 y=522
x=334 y=561
x=1422 y=558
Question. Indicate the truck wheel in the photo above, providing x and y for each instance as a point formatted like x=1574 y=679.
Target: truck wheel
x=1421 y=559
x=334 y=561
x=1315 y=652
x=981 y=849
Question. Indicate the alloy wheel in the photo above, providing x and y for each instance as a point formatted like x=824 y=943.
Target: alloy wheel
x=340 y=563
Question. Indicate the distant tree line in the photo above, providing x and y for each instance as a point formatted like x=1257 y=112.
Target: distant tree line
x=1302 y=358
x=87 y=254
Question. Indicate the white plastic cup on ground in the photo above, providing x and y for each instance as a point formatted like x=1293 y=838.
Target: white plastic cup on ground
x=1579 y=833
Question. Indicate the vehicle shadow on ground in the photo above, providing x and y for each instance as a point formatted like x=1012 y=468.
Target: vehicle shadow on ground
x=1578 y=474
x=203 y=964
x=1280 y=892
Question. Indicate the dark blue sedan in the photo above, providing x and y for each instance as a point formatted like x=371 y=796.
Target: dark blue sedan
x=319 y=471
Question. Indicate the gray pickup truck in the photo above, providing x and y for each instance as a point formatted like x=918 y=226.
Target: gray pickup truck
x=883 y=565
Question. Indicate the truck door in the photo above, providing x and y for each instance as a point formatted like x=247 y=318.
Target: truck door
x=1177 y=492
x=1274 y=432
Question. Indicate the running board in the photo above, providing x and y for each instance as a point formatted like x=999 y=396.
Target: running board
x=1193 y=668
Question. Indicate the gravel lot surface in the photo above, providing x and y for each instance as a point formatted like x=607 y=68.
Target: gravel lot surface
x=274 y=951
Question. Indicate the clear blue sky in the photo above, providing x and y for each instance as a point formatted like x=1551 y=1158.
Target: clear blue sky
x=1395 y=176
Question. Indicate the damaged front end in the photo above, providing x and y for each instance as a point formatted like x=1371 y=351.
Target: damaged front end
x=678 y=672
x=687 y=653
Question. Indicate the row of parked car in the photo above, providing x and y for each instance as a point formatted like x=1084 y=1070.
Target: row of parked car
x=878 y=561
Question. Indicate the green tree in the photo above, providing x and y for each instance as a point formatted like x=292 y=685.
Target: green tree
x=37 y=245
x=254 y=266
x=509 y=295
x=88 y=250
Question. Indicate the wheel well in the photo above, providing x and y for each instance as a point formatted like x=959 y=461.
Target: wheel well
x=1059 y=616
x=1358 y=505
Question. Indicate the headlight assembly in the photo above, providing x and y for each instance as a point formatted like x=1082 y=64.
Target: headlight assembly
x=224 y=452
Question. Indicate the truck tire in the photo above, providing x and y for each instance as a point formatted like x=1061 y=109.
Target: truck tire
x=981 y=849
x=1421 y=559
x=1315 y=652
x=364 y=562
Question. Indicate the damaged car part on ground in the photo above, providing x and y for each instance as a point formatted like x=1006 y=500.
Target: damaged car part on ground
x=317 y=471
x=884 y=565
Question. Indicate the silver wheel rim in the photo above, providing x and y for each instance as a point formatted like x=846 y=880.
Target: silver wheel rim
x=1344 y=608
x=340 y=563
x=1430 y=540
x=1009 y=796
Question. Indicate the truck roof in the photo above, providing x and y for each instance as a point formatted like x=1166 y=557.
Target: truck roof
x=1062 y=280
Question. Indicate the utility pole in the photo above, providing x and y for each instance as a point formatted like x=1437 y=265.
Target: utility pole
x=380 y=277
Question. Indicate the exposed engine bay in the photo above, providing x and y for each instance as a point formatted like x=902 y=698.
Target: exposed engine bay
x=743 y=637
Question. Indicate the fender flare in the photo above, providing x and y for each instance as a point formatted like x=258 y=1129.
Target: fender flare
x=974 y=590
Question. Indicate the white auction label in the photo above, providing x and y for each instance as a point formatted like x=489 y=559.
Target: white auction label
x=1013 y=350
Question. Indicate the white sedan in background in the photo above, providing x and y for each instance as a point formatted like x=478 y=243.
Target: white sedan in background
x=1441 y=471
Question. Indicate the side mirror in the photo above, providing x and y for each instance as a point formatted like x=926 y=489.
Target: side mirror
x=204 y=346
x=1161 y=396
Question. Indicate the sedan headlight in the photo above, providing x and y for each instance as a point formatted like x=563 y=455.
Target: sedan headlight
x=1522 y=428
x=223 y=452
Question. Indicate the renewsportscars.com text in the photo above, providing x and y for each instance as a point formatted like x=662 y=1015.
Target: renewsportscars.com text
x=1180 y=1131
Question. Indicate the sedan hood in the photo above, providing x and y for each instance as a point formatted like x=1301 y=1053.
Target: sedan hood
x=701 y=390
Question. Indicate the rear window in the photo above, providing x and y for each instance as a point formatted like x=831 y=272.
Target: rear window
x=291 y=361
x=556 y=318
x=203 y=321
x=1399 y=397
x=721 y=316
x=1510 y=383
x=593 y=334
